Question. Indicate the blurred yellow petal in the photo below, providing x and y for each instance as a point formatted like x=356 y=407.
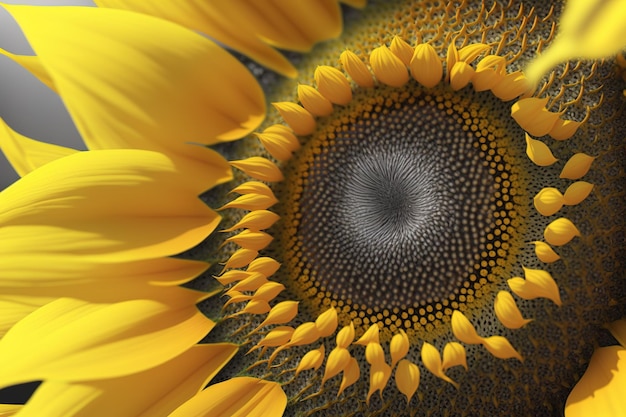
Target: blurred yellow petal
x=588 y=29
x=33 y=65
x=407 y=378
x=600 y=392
x=123 y=338
x=248 y=27
x=510 y=86
x=26 y=154
x=115 y=205
x=8 y=410
x=471 y=52
x=14 y=308
x=116 y=92
x=532 y=116
x=170 y=385
x=402 y=50
x=237 y=397
x=388 y=68
x=460 y=75
x=259 y=168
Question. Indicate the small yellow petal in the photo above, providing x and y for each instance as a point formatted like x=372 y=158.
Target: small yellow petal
x=485 y=79
x=314 y=101
x=560 y=232
x=432 y=362
x=265 y=265
x=326 y=323
x=402 y=50
x=311 y=360
x=253 y=187
x=548 y=201
x=259 y=168
x=337 y=361
x=236 y=397
x=600 y=391
x=577 y=192
x=280 y=141
x=564 y=129
x=426 y=67
x=9 y=410
x=532 y=116
x=453 y=355
x=345 y=336
x=374 y=354
x=470 y=52
x=379 y=375
x=34 y=66
x=539 y=152
x=463 y=329
x=577 y=166
x=304 y=334
x=545 y=253
x=407 y=378
x=255 y=220
x=500 y=347
x=233 y=276
x=460 y=75
x=282 y=312
x=251 y=202
x=507 y=311
x=256 y=307
x=452 y=57
x=356 y=69
x=370 y=336
x=278 y=336
x=538 y=283
x=510 y=86
x=240 y=258
x=297 y=117
x=333 y=85
x=351 y=374
x=251 y=240
x=251 y=283
x=268 y=291
x=388 y=68
x=399 y=347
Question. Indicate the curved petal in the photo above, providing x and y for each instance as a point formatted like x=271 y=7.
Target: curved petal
x=26 y=154
x=250 y=27
x=166 y=387
x=237 y=397
x=8 y=410
x=135 y=90
x=73 y=340
x=115 y=205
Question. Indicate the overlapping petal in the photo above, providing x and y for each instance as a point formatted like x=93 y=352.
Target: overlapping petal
x=138 y=90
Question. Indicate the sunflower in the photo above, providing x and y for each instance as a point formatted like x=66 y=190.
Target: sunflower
x=450 y=236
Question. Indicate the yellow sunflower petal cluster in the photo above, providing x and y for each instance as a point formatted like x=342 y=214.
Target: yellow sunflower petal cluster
x=90 y=293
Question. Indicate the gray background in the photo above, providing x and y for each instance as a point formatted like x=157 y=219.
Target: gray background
x=27 y=105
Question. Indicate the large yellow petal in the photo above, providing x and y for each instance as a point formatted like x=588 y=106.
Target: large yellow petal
x=26 y=154
x=72 y=340
x=8 y=410
x=588 y=29
x=600 y=392
x=237 y=397
x=15 y=308
x=248 y=26
x=115 y=205
x=136 y=89
x=152 y=393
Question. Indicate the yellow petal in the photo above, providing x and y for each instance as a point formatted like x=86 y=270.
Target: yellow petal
x=587 y=30
x=8 y=410
x=507 y=311
x=545 y=253
x=407 y=378
x=215 y=99
x=538 y=152
x=236 y=397
x=618 y=330
x=259 y=168
x=485 y=79
x=170 y=384
x=240 y=258
x=265 y=265
x=453 y=355
x=548 y=201
x=510 y=86
x=282 y=312
x=314 y=101
x=345 y=336
x=52 y=341
x=256 y=307
x=463 y=329
x=388 y=68
x=370 y=336
x=255 y=220
x=268 y=291
x=250 y=202
x=470 y=52
x=311 y=360
x=577 y=192
x=600 y=392
x=426 y=67
x=279 y=141
x=374 y=354
x=379 y=375
x=532 y=116
x=538 y=283
x=460 y=75
x=277 y=336
x=333 y=84
x=577 y=166
x=452 y=57
x=233 y=276
x=560 y=232
x=326 y=323
x=26 y=154
x=399 y=347
x=564 y=129
x=402 y=50
x=432 y=362
x=304 y=334
x=299 y=119
x=33 y=65
x=500 y=347
x=72 y=208
x=351 y=374
x=14 y=308
x=356 y=69
x=251 y=283
x=338 y=360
